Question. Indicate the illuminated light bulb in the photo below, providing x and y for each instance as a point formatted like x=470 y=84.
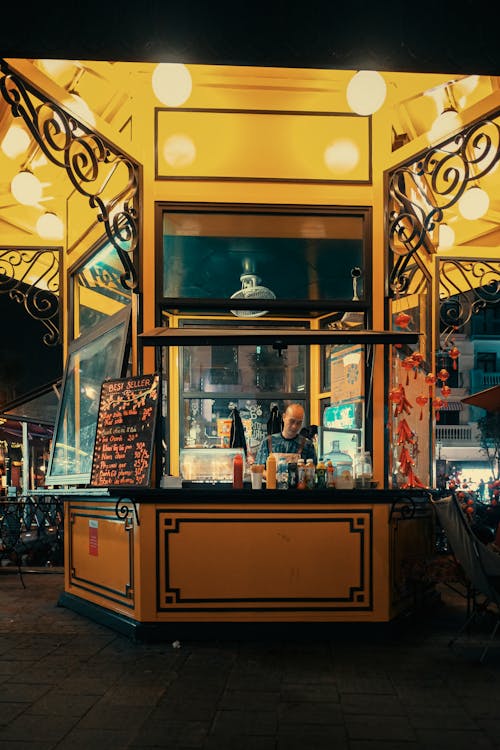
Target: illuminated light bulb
x=16 y=142
x=446 y=237
x=341 y=156
x=172 y=84
x=80 y=109
x=50 y=226
x=26 y=188
x=474 y=203
x=366 y=92
x=448 y=122
x=55 y=68
x=179 y=150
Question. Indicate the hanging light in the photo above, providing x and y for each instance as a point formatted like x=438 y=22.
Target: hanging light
x=446 y=237
x=341 y=156
x=79 y=108
x=16 y=141
x=366 y=92
x=172 y=84
x=251 y=289
x=474 y=203
x=26 y=188
x=50 y=226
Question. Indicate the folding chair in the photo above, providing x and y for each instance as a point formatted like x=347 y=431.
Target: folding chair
x=480 y=564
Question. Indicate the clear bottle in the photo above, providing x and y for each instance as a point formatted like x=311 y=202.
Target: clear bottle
x=309 y=473
x=358 y=467
x=330 y=475
x=271 y=472
x=301 y=470
x=342 y=463
x=282 y=475
x=367 y=471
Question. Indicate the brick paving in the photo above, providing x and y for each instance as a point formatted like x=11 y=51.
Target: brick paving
x=71 y=684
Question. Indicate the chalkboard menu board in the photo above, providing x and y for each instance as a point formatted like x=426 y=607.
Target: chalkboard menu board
x=125 y=432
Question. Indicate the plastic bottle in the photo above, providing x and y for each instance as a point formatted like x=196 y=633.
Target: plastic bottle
x=342 y=463
x=282 y=475
x=320 y=475
x=330 y=475
x=293 y=475
x=367 y=472
x=301 y=479
x=271 y=472
x=238 y=472
x=309 y=473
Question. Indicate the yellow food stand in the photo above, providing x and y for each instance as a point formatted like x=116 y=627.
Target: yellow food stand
x=246 y=262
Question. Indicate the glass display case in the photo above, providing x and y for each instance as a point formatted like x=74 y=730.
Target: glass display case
x=208 y=465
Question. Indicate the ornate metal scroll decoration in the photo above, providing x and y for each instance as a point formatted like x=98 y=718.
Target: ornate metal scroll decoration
x=108 y=179
x=465 y=288
x=36 y=288
x=419 y=192
x=123 y=510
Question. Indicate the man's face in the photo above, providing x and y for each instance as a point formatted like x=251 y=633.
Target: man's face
x=292 y=422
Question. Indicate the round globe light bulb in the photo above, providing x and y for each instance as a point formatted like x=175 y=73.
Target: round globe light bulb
x=16 y=142
x=474 y=203
x=341 y=156
x=446 y=237
x=172 y=84
x=179 y=150
x=448 y=122
x=80 y=109
x=26 y=188
x=50 y=226
x=366 y=92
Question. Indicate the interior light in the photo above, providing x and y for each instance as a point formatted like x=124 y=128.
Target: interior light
x=172 y=84
x=26 y=188
x=50 y=226
x=366 y=92
x=474 y=203
x=179 y=150
x=55 y=68
x=16 y=141
x=341 y=156
x=80 y=109
x=446 y=237
x=448 y=122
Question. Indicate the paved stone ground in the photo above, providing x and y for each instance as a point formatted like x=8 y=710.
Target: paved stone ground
x=71 y=684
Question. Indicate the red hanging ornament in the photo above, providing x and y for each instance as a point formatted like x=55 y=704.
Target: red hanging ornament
x=421 y=401
x=417 y=359
x=454 y=355
x=445 y=390
x=402 y=320
x=437 y=404
x=430 y=379
x=408 y=364
x=443 y=375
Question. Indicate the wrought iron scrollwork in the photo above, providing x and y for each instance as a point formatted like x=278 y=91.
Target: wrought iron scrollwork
x=123 y=510
x=108 y=179
x=419 y=192
x=465 y=288
x=36 y=288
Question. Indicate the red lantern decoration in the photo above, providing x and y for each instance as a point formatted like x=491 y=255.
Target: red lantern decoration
x=445 y=390
x=402 y=320
x=417 y=359
x=443 y=375
x=421 y=401
x=437 y=403
x=408 y=364
x=454 y=355
x=430 y=379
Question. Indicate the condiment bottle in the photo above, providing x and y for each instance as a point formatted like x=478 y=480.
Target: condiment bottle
x=321 y=475
x=271 y=472
x=309 y=474
x=330 y=475
x=238 y=472
x=301 y=479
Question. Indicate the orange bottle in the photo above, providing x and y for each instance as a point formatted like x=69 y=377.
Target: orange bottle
x=238 y=472
x=271 y=472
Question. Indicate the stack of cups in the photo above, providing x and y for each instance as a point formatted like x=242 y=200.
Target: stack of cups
x=257 y=472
